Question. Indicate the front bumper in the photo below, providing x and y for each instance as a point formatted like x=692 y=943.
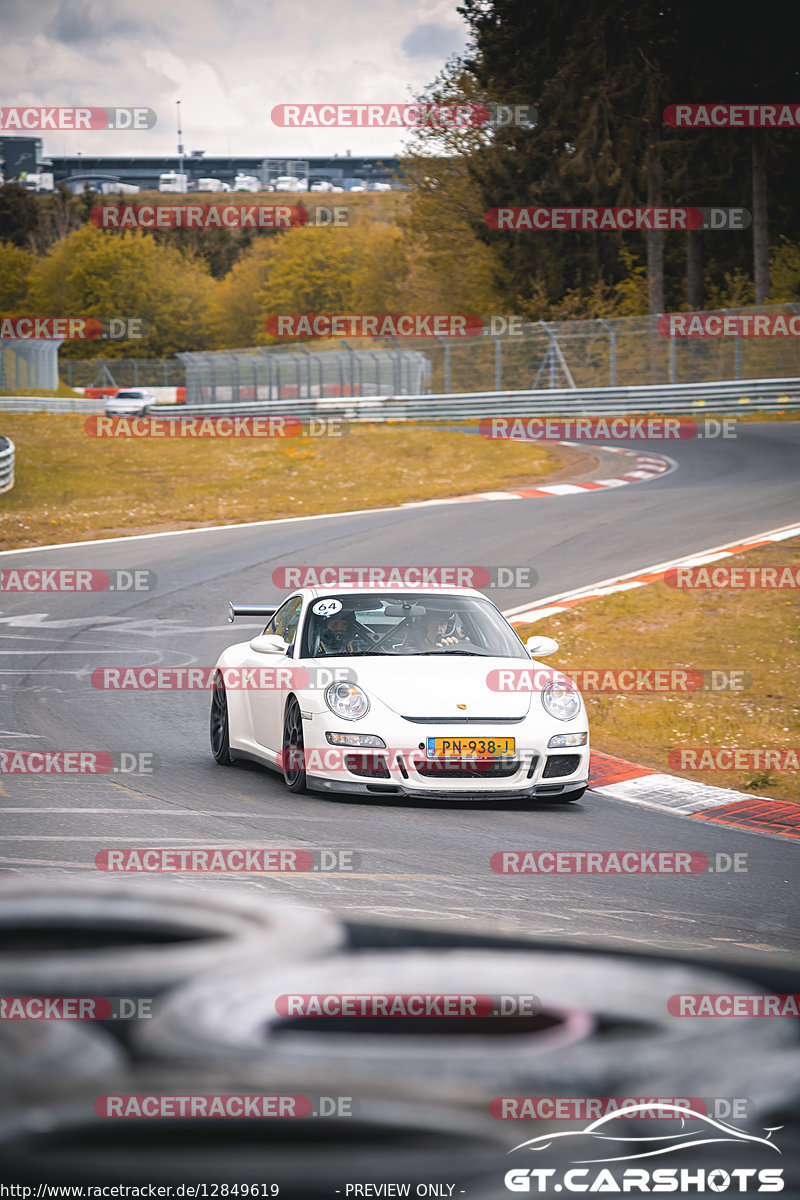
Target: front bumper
x=547 y=791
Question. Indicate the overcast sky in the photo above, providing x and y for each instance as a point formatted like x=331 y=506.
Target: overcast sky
x=228 y=62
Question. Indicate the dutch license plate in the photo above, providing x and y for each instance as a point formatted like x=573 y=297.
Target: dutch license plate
x=461 y=747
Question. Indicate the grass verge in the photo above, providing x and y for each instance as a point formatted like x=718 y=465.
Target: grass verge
x=71 y=487
x=754 y=631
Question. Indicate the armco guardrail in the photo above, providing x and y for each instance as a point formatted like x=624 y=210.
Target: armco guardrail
x=47 y=404
x=728 y=396
x=6 y=464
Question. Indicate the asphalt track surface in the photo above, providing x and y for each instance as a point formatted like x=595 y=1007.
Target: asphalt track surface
x=420 y=863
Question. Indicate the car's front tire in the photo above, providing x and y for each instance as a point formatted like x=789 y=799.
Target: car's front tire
x=294 y=771
x=220 y=738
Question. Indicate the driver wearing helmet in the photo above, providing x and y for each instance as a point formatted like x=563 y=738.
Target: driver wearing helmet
x=342 y=634
x=429 y=632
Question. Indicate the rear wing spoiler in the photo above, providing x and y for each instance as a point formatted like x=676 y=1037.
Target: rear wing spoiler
x=251 y=610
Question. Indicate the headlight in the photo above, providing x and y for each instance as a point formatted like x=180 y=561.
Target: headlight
x=347 y=700
x=567 y=739
x=562 y=701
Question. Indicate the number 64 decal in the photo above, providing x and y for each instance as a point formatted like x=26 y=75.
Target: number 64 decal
x=326 y=608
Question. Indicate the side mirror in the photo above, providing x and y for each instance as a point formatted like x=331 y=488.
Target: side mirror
x=269 y=643
x=540 y=647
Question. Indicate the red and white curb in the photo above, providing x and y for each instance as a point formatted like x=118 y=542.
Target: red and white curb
x=644 y=467
x=634 y=784
x=551 y=605
x=621 y=780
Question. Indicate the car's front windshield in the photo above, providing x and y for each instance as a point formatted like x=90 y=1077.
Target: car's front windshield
x=407 y=623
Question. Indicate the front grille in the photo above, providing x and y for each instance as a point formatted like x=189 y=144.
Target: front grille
x=456 y=768
x=560 y=764
x=370 y=766
x=464 y=720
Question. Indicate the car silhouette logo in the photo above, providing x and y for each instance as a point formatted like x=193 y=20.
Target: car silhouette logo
x=652 y=1146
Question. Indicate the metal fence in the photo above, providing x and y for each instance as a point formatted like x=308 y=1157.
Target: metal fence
x=726 y=396
x=29 y=365
x=6 y=464
x=122 y=372
x=622 y=352
x=240 y=376
x=729 y=396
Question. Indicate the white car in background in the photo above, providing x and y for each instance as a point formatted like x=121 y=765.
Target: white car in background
x=246 y=183
x=288 y=183
x=129 y=402
x=392 y=692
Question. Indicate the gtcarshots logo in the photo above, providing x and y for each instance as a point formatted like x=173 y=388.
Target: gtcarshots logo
x=76 y=118
x=615 y=862
x=236 y=861
x=77 y=762
x=76 y=579
x=404 y=576
x=602 y=1138
x=200 y=679
x=407 y=1005
x=74 y=1008
x=596 y=429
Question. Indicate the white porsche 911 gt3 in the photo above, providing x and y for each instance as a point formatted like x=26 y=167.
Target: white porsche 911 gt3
x=424 y=692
